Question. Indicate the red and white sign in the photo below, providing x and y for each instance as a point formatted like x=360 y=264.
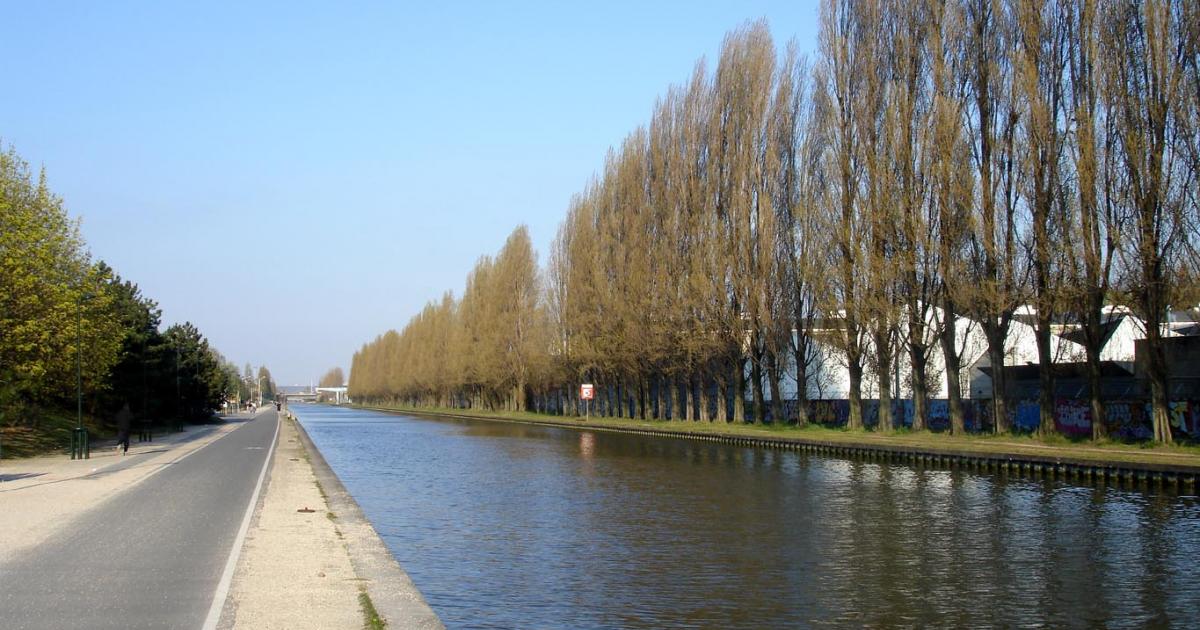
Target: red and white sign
x=587 y=392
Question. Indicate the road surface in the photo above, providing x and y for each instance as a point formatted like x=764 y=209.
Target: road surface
x=149 y=557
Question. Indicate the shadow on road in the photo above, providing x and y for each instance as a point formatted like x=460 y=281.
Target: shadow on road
x=16 y=476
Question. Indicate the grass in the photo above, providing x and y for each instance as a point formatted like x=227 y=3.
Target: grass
x=53 y=433
x=371 y=618
x=1105 y=451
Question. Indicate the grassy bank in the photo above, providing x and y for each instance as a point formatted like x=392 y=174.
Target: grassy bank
x=52 y=434
x=1105 y=452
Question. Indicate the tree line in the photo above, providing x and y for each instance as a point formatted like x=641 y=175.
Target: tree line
x=333 y=377
x=69 y=324
x=935 y=160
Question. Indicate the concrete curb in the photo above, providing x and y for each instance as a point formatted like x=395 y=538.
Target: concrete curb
x=395 y=596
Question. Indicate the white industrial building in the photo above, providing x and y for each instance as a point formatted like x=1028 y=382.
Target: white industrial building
x=829 y=375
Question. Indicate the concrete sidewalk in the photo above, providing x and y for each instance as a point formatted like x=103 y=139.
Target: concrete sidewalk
x=309 y=569
x=41 y=495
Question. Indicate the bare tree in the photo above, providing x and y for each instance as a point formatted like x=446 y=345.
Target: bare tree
x=1151 y=43
x=838 y=92
x=991 y=123
x=1096 y=217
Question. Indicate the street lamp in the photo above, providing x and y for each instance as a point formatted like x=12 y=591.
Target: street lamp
x=80 y=442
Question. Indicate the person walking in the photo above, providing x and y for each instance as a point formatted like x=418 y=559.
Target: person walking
x=124 y=424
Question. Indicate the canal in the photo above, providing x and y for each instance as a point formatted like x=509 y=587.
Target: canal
x=519 y=526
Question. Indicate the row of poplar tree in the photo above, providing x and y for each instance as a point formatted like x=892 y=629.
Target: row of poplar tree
x=72 y=326
x=936 y=158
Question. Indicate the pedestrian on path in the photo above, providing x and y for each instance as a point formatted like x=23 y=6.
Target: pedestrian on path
x=124 y=424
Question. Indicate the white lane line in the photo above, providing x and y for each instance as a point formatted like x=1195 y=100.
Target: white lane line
x=218 y=602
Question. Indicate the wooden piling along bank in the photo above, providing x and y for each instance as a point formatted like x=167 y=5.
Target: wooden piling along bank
x=1181 y=478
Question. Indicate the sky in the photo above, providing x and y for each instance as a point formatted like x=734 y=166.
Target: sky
x=296 y=178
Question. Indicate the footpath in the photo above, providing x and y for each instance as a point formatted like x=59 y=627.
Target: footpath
x=311 y=559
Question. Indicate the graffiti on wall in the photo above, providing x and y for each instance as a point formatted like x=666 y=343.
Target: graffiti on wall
x=1073 y=417
x=1126 y=420
x=939 y=415
x=1026 y=416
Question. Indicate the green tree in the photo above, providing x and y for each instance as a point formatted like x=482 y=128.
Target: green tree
x=267 y=383
x=138 y=377
x=54 y=313
x=201 y=381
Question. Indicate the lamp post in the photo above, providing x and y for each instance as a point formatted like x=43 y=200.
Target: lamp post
x=178 y=394
x=81 y=447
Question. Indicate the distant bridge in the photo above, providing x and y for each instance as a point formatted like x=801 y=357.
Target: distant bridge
x=338 y=394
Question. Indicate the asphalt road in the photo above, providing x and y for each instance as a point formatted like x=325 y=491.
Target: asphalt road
x=151 y=556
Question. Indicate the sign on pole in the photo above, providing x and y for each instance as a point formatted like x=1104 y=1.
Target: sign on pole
x=586 y=394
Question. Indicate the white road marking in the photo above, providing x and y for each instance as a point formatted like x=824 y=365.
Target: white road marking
x=218 y=602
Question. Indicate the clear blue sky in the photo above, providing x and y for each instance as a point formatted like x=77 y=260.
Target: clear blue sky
x=298 y=177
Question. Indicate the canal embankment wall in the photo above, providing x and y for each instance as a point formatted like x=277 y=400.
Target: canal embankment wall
x=1074 y=463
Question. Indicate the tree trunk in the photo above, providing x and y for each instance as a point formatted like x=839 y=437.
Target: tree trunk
x=883 y=365
x=953 y=370
x=739 y=389
x=995 y=338
x=856 y=409
x=1156 y=369
x=777 y=414
x=689 y=395
x=1099 y=418
x=801 y=389
x=660 y=398
x=920 y=387
x=674 y=397
x=1045 y=376
x=756 y=385
x=722 y=399
x=643 y=395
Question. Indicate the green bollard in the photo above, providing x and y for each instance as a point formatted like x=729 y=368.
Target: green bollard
x=81 y=447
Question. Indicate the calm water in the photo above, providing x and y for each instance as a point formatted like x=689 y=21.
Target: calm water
x=511 y=526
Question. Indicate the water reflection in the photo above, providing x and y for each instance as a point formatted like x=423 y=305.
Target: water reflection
x=587 y=444
x=523 y=526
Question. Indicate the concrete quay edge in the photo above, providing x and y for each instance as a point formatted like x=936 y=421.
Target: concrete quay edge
x=1183 y=476
x=393 y=593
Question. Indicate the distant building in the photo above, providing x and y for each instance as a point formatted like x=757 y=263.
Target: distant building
x=1122 y=333
x=1123 y=362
